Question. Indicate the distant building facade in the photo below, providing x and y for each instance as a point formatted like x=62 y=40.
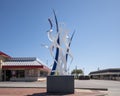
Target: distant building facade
x=21 y=68
x=106 y=74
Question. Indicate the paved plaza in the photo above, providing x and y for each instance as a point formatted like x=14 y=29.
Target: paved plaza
x=85 y=87
x=42 y=92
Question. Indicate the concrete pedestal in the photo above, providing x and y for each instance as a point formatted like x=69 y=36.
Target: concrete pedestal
x=60 y=84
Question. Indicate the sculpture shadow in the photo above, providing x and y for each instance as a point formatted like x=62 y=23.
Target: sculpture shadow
x=49 y=94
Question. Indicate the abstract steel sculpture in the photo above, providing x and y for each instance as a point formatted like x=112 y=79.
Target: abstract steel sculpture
x=60 y=45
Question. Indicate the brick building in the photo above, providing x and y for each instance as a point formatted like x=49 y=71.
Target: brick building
x=21 y=68
x=106 y=74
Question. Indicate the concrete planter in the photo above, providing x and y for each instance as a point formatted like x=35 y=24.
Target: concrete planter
x=60 y=84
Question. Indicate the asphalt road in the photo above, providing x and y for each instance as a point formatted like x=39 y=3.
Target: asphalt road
x=112 y=86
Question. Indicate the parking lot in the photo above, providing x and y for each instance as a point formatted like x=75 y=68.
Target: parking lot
x=112 y=86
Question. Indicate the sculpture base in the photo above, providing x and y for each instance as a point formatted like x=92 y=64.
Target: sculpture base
x=60 y=84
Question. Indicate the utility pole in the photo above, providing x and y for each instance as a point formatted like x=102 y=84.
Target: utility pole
x=76 y=71
x=83 y=71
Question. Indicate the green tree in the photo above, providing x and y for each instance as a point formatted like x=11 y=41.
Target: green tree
x=77 y=72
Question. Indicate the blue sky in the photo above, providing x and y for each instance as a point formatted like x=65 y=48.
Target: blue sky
x=23 y=26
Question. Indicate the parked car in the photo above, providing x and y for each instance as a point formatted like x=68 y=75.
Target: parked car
x=84 y=77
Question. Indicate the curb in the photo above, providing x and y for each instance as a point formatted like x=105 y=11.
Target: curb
x=102 y=89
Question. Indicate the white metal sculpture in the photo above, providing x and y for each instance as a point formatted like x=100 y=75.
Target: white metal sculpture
x=59 y=47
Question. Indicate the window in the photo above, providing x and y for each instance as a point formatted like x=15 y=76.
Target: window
x=43 y=73
x=20 y=73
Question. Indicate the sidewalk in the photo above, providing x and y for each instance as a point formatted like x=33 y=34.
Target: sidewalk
x=42 y=92
x=39 y=89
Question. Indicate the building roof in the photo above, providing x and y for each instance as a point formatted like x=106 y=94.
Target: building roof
x=23 y=62
x=4 y=55
x=110 y=70
x=21 y=59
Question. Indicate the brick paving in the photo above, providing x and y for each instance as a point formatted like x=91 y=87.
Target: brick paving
x=42 y=92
